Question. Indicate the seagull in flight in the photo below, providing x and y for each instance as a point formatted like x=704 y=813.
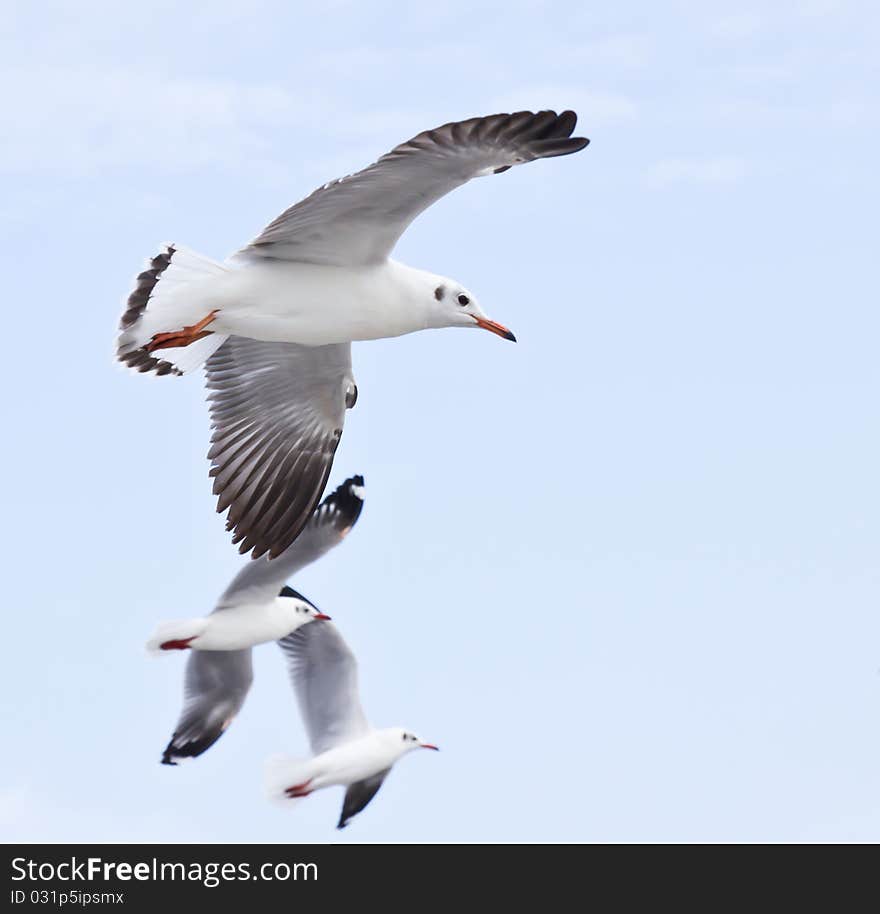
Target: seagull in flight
x=274 y=323
x=347 y=751
x=217 y=682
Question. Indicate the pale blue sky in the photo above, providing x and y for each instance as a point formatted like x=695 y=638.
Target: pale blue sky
x=625 y=572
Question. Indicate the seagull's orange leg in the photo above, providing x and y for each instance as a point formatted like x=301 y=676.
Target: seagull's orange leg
x=182 y=337
x=298 y=790
x=180 y=644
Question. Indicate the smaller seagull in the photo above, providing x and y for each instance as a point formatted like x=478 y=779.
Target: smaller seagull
x=218 y=679
x=347 y=750
x=237 y=625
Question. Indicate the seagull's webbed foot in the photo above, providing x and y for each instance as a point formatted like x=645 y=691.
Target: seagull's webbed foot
x=298 y=790
x=177 y=644
x=181 y=337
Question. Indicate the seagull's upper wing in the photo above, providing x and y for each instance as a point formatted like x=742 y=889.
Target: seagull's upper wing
x=359 y=795
x=216 y=685
x=277 y=411
x=323 y=671
x=261 y=579
x=358 y=219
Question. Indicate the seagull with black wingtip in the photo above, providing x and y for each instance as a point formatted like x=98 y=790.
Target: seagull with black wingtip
x=275 y=323
x=347 y=751
x=217 y=680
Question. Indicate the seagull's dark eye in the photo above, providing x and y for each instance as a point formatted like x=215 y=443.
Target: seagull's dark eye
x=463 y=300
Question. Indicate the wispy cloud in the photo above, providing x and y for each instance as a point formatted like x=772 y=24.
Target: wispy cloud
x=714 y=170
x=84 y=121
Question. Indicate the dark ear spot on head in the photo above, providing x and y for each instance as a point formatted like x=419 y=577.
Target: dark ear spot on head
x=439 y=292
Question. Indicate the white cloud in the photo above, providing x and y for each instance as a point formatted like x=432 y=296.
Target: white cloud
x=75 y=121
x=715 y=170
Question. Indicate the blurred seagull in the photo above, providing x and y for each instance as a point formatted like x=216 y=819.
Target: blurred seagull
x=237 y=624
x=347 y=750
x=276 y=322
x=217 y=680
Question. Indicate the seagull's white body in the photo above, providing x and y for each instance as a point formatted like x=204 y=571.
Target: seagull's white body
x=235 y=628
x=347 y=764
x=275 y=323
x=310 y=304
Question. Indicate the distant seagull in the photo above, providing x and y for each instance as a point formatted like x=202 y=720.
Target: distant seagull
x=276 y=322
x=240 y=623
x=347 y=750
x=217 y=681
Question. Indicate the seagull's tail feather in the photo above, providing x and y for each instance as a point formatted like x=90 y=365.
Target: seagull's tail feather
x=162 y=303
x=283 y=772
x=176 y=635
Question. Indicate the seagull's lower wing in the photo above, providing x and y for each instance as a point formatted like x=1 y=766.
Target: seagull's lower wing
x=358 y=219
x=215 y=687
x=358 y=796
x=277 y=410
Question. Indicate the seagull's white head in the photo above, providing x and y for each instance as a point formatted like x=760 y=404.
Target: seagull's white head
x=454 y=306
x=405 y=740
x=297 y=609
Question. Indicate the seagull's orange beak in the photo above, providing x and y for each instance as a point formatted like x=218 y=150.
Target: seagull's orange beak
x=493 y=327
x=326 y=618
x=430 y=746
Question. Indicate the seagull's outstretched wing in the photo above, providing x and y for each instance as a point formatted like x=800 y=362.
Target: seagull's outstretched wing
x=261 y=579
x=215 y=687
x=359 y=795
x=217 y=682
x=358 y=219
x=323 y=671
x=277 y=410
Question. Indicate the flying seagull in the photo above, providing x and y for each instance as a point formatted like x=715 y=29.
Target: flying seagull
x=347 y=750
x=217 y=681
x=275 y=323
x=239 y=624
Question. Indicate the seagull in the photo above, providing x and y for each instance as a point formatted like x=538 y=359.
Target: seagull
x=274 y=323
x=347 y=751
x=217 y=681
x=236 y=625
